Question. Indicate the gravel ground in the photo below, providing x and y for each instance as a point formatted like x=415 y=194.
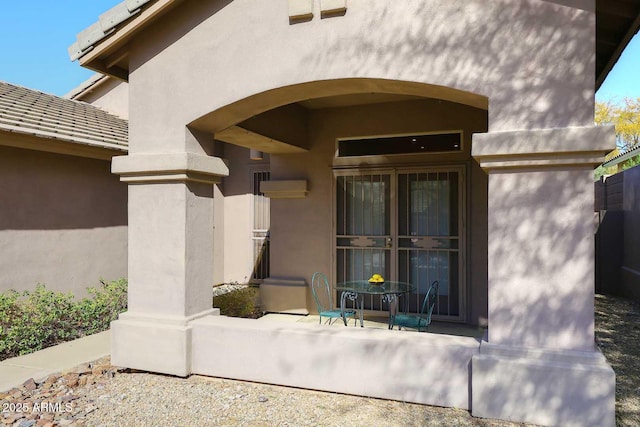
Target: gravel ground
x=101 y=395
x=618 y=336
x=151 y=400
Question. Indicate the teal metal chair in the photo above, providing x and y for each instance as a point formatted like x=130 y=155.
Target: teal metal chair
x=422 y=320
x=322 y=295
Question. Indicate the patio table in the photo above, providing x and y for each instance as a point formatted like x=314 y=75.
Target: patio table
x=388 y=290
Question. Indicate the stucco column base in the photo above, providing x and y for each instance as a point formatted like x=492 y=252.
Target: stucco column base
x=546 y=387
x=154 y=343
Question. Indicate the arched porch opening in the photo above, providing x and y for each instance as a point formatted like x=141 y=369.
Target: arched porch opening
x=278 y=113
x=301 y=128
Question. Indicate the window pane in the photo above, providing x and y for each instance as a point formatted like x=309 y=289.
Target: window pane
x=444 y=142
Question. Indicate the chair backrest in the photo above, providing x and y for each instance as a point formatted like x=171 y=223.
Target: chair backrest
x=429 y=301
x=321 y=291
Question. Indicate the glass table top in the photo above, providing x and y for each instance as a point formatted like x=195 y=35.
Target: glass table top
x=386 y=287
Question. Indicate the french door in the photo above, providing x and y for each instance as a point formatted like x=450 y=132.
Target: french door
x=406 y=224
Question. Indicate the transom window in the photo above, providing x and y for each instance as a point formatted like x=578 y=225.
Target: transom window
x=406 y=144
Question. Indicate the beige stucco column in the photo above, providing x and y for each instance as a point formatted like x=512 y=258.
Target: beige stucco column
x=170 y=257
x=540 y=344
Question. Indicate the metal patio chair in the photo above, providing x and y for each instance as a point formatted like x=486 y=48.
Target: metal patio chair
x=420 y=321
x=322 y=296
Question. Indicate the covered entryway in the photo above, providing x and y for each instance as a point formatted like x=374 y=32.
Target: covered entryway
x=411 y=145
x=274 y=77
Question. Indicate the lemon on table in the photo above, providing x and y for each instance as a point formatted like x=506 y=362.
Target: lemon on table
x=376 y=278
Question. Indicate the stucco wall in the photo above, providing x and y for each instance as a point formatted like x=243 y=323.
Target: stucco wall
x=514 y=52
x=238 y=214
x=63 y=222
x=111 y=95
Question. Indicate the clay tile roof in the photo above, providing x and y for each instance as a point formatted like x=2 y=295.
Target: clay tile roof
x=106 y=24
x=635 y=151
x=31 y=112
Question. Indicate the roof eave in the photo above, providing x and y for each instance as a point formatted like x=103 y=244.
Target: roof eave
x=622 y=157
x=632 y=31
x=106 y=54
x=87 y=86
x=32 y=141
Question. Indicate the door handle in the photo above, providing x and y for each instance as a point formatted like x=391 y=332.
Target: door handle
x=389 y=242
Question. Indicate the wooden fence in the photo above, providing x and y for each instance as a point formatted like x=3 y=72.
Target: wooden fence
x=617 y=239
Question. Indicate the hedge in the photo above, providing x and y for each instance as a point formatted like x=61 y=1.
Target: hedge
x=31 y=321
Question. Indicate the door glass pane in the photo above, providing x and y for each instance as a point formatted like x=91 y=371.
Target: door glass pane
x=363 y=205
x=428 y=242
x=360 y=264
x=363 y=225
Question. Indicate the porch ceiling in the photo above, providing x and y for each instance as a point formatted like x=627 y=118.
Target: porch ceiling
x=103 y=46
x=281 y=130
x=284 y=130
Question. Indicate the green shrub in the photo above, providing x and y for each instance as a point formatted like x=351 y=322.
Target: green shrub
x=96 y=313
x=35 y=320
x=41 y=318
x=239 y=303
x=9 y=311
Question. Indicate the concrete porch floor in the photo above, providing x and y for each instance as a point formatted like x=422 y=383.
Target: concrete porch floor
x=380 y=322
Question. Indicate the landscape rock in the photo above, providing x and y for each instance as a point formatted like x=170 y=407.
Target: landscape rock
x=56 y=400
x=83 y=369
x=30 y=384
x=98 y=370
x=71 y=379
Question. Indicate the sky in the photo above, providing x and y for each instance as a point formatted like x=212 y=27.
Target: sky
x=624 y=79
x=35 y=35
